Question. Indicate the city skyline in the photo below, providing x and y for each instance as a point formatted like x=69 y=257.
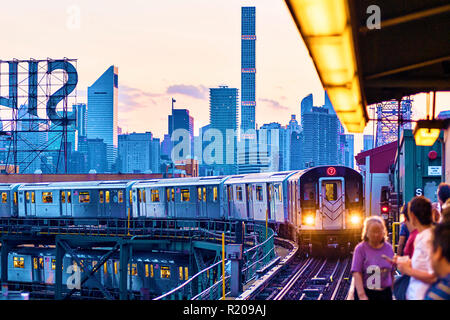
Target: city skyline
x=166 y=50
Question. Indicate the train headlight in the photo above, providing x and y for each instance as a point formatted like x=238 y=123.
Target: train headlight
x=355 y=219
x=309 y=220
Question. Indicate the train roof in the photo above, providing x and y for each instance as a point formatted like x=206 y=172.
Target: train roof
x=76 y=184
x=173 y=182
x=260 y=177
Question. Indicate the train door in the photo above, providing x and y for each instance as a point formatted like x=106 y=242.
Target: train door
x=270 y=201
x=142 y=202
x=30 y=203
x=201 y=202
x=66 y=203
x=170 y=201
x=249 y=195
x=230 y=199
x=332 y=203
x=101 y=203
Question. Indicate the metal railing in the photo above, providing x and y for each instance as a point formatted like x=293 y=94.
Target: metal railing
x=208 y=283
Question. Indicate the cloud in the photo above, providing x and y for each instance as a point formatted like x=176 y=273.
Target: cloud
x=134 y=98
x=273 y=104
x=197 y=92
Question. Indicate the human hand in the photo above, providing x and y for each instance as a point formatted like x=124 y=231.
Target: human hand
x=404 y=266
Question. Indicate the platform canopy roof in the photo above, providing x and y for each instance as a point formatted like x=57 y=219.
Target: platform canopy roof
x=360 y=64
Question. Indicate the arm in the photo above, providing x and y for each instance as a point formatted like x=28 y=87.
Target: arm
x=401 y=245
x=406 y=268
x=359 y=287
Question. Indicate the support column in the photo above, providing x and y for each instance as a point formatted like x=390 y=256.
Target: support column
x=4 y=261
x=58 y=272
x=123 y=270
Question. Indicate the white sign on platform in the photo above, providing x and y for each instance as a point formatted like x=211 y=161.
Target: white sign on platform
x=434 y=170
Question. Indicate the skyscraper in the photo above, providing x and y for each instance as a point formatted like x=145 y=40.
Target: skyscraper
x=321 y=129
x=138 y=153
x=248 y=68
x=368 y=142
x=223 y=108
x=103 y=112
x=182 y=120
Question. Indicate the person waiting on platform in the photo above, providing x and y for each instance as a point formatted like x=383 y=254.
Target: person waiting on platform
x=408 y=250
x=372 y=273
x=404 y=231
x=443 y=194
x=419 y=266
x=440 y=261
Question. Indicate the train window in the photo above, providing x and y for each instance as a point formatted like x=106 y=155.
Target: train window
x=131 y=196
x=63 y=196
x=19 y=262
x=41 y=262
x=133 y=269
x=155 y=195
x=238 y=193
x=270 y=192
x=168 y=195
x=53 y=264
x=144 y=199
x=204 y=194
x=199 y=193
x=249 y=193
x=4 y=197
x=180 y=273
x=101 y=197
x=139 y=196
x=146 y=270
x=105 y=268
x=115 y=267
x=69 y=197
x=186 y=273
x=331 y=191
x=75 y=266
x=215 y=195
x=47 y=197
x=152 y=274
x=15 y=197
x=259 y=194
x=280 y=193
x=173 y=194
x=230 y=193
x=35 y=263
x=84 y=197
x=120 y=196
x=184 y=195
x=107 y=196
x=27 y=196
x=165 y=272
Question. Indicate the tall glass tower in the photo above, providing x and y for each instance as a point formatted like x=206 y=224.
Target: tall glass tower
x=103 y=112
x=248 y=69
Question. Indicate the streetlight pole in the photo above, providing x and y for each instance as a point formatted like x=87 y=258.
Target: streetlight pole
x=171 y=135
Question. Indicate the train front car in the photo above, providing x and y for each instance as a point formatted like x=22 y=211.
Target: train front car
x=331 y=207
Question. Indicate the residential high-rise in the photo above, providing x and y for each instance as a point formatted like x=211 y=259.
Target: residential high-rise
x=103 y=112
x=248 y=68
x=321 y=130
x=368 y=142
x=182 y=120
x=223 y=116
x=138 y=153
x=349 y=150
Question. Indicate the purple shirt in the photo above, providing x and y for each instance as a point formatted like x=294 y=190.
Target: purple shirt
x=376 y=271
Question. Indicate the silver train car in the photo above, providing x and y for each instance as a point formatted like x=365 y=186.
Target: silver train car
x=322 y=204
x=148 y=272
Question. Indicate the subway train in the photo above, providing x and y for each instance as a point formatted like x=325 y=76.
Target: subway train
x=321 y=206
x=150 y=273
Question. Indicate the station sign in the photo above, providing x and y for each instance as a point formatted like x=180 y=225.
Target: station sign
x=434 y=170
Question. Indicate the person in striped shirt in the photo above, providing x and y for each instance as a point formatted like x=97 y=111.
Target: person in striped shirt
x=440 y=261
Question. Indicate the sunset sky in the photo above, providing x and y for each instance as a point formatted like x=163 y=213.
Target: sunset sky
x=172 y=48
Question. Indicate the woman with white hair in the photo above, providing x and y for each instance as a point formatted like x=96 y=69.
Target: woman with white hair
x=372 y=272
